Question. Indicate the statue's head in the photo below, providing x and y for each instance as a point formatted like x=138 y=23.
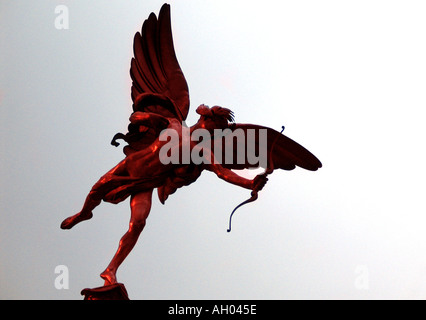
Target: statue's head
x=214 y=118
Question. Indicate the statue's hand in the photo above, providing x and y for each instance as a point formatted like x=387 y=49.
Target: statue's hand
x=259 y=182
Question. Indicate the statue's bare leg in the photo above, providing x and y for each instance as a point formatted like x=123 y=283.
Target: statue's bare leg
x=140 y=205
x=104 y=185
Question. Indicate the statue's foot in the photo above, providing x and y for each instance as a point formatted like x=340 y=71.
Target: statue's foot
x=109 y=277
x=70 y=222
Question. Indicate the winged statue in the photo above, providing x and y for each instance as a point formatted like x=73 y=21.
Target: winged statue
x=160 y=107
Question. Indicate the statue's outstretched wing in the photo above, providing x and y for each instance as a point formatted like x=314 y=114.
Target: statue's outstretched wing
x=159 y=85
x=281 y=151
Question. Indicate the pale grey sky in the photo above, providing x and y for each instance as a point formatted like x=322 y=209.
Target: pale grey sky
x=347 y=80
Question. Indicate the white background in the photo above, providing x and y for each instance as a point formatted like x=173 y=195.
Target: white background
x=346 y=78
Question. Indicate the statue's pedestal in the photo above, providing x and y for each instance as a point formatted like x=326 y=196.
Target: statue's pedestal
x=115 y=291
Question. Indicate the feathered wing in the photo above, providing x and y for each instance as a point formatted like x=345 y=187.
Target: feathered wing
x=159 y=85
x=281 y=151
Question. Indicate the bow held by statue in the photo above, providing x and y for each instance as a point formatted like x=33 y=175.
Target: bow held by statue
x=259 y=181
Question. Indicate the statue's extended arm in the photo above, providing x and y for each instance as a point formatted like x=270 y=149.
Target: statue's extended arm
x=229 y=176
